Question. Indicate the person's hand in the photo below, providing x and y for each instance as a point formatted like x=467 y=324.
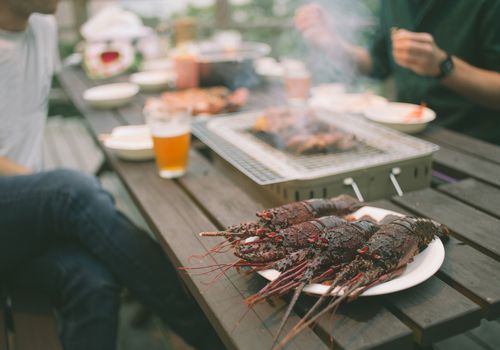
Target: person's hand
x=316 y=26
x=417 y=52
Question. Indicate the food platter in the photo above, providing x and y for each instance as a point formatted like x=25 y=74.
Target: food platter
x=423 y=266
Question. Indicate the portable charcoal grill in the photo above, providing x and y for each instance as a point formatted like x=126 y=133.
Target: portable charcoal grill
x=387 y=162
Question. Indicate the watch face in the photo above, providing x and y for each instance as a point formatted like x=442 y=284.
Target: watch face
x=446 y=66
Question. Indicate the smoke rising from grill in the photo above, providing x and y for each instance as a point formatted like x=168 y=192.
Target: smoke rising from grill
x=350 y=20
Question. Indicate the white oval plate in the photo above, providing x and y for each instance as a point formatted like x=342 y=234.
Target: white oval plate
x=394 y=115
x=423 y=266
x=132 y=142
x=111 y=95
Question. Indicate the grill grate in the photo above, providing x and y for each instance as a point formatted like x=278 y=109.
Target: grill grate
x=266 y=165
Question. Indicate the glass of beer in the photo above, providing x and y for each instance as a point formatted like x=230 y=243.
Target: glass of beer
x=170 y=128
x=297 y=81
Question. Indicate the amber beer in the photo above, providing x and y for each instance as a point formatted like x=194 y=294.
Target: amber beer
x=171 y=132
x=171 y=151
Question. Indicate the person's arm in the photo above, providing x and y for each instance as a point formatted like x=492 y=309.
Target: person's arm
x=480 y=85
x=9 y=168
x=317 y=28
x=419 y=53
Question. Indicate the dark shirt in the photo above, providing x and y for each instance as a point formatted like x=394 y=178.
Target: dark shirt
x=468 y=29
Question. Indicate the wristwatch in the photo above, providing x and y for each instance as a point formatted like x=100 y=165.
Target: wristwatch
x=445 y=67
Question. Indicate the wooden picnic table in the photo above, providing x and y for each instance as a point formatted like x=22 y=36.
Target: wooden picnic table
x=212 y=196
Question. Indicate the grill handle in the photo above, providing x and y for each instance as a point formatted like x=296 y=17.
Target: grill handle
x=395 y=172
x=349 y=181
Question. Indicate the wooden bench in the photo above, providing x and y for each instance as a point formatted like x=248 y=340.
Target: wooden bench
x=27 y=322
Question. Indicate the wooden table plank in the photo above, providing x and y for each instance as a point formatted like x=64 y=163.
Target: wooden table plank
x=477 y=194
x=468 y=224
x=460 y=165
x=366 y=324
x=473 y=274
x=433 y=309
x=466 y=269
x=463 y=143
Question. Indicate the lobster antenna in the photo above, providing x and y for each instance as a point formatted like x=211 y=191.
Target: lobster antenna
x=297 y=329
x=214 y=233
x=294 y=300
x=318 y=303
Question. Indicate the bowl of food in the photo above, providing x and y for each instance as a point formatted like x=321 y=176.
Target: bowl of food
x=111 y=95
x=405 y=117
x=131 y=142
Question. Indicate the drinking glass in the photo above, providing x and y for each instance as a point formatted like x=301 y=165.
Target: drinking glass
x=170 y=128
x=297 y=81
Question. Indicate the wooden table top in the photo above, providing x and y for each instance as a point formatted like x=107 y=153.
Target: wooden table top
x=212 y=196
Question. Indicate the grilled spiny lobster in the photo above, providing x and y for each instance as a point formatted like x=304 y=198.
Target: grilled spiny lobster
x=289 y=214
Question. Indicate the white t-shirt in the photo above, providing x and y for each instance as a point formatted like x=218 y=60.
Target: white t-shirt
x=28 y=61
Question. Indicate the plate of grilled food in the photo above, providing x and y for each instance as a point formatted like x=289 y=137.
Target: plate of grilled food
x=335 y=247
x=207 y=101
x=421 y=267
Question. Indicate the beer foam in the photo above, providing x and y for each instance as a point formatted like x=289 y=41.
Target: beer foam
x=170 y=130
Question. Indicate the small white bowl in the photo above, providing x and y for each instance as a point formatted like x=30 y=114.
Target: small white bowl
x=153 y=80
x=131 y=142
x=395 y=115
x=111 y=95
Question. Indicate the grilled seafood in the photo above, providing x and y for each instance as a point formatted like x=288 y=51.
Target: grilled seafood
x=330 y=248
x=277 y=245
x=301 y=132
x=208 y=100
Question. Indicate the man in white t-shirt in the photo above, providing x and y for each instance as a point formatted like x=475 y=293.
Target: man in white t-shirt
x=59 y=231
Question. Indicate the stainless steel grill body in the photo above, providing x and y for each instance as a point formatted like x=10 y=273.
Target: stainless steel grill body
x=366 y=170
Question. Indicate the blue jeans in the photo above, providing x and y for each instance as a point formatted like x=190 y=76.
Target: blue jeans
x=60 y=233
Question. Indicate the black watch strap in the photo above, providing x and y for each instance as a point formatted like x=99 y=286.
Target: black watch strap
x=446 y=67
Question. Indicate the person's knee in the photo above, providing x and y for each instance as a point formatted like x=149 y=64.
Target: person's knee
x=77 y=186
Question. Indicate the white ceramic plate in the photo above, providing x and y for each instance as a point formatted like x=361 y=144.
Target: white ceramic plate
x=423 y=266
x=395 y=115
x=111 y=95
x=132 y=142
x=154 y=80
